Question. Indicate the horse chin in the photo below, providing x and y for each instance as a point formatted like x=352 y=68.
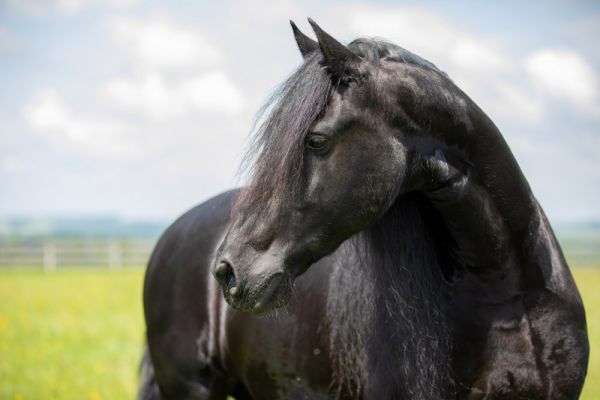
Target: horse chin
x=267 y=297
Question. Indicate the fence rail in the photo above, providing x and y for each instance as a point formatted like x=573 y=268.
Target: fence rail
x=115 y=254
x=51 y=255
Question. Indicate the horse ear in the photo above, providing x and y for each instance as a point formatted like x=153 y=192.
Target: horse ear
x=338 y=59
x=305 y=44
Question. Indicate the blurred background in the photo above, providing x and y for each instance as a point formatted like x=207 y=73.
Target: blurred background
x=116 y=116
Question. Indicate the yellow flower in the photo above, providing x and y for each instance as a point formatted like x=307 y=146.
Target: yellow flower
x=95 y=395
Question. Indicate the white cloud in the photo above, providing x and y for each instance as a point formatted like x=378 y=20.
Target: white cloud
x=523 y=104
x=49 y=114
x=154 y=97
x=150 y=96
x=66 y=7
x=213 y=91
x=264 y=12
x=7 y=40
x=159 y=45
x=180 y=72
x=564 y=74
x=12 y=165
x=70 y=6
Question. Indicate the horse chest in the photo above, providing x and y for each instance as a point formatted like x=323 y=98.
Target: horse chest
x=497 y=352
x=508 y=364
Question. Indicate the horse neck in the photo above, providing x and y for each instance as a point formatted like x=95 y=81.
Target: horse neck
x=497 y=223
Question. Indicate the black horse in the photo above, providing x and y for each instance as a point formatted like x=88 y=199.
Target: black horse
x=434 y=273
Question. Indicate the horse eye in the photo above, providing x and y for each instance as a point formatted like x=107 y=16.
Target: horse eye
x=316 y=142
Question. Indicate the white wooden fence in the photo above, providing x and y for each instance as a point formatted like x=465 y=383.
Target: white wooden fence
x=51 y=255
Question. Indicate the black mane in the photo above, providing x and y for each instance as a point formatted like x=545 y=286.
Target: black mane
x=275 y=155
x=375 y=50
x=402 y=312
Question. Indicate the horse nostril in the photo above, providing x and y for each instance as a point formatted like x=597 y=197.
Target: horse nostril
x=226 y=277
x=222 y=270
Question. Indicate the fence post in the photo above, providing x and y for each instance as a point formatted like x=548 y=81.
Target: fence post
x=49 y=256
x=115 y=255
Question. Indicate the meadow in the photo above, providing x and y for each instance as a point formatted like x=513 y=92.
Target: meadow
x=78 y=334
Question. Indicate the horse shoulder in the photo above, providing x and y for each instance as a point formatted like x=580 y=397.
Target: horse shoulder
x=182 y=301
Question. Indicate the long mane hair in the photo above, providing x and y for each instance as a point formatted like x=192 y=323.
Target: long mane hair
x=396 y=306
x=275 y=156
x=388 y=317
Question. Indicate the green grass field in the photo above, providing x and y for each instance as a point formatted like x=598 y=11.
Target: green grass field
x=70 y=334
x=79 y=334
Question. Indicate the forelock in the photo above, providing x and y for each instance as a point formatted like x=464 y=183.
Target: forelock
x=275 y=156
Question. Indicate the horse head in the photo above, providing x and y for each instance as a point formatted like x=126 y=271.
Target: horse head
x=353 y=129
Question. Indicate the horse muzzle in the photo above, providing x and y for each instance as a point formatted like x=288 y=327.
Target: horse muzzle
x=259 y=288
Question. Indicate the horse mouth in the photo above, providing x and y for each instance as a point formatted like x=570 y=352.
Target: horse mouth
x=274 y=293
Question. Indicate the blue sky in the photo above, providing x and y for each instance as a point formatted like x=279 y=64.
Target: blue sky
x=141 y=109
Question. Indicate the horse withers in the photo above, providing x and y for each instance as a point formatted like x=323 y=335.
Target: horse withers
x=387 y=247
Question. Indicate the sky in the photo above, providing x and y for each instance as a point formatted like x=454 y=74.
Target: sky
x=142 y=109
